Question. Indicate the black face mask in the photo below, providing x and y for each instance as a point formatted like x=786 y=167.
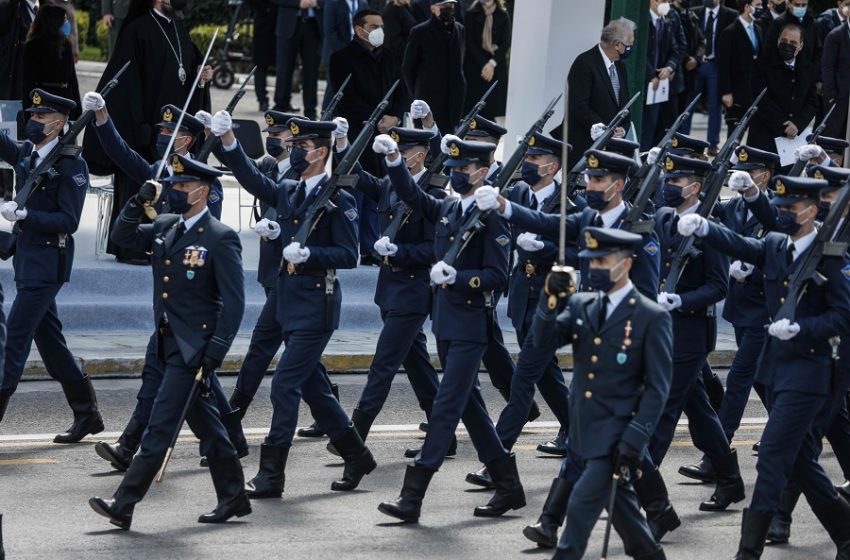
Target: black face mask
x=823 y=210
x=447 y=15
x=787 y=51
x=780 y=9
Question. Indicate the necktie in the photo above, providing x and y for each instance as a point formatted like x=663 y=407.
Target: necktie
x=709 y=36
x=753 y=39
x=659 y=36
x=181 y=229
x=789 y=254
x=33 y=160
x=603 y=310
x=533 y=203
x=300 y=194
x=597 y=221
x=615 y=81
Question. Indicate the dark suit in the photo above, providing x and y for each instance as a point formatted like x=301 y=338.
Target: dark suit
x=611 y=401
x=398 y=21
x=337 y=25
x=264 y=47
x=811 y=44
x=736 y=60
x=835 y=75
x=826 y=22
x=298 y=32
x=592 y=99
x=663 y=51
x=790 y=97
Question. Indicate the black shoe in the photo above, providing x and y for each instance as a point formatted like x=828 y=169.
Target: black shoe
x=423 y=426
x=730 y=485
x=780 y=526
x=4 y=402
x=509 y=492
x=83 y=402
x=311 y=431
x=229 y=485
x=264 y=105
x=754 y=527
x=756 y=446
x=702 y=471
x=482 y=478
x=657 y=554
x=358 y=461
x=106 y=508
x=653 y=497
x=545 y=531
x=843 y=489
x=408 y=505
x=361 y=422
x=412 y=452
x=836 y=520
x=121 y=453
x=135 y=261
x=556 y=446
x=240 y=401
x=270 y=479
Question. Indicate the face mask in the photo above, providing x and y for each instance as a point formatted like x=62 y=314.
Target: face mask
x=531 y=172
x=663 y=9
x=162 y=144
x=627 y=52
x=274 y=147
x=66 y=28
x=407 y=161
x=787 y=51
x=786 y=222
x=823 y=209
x=178 y=201
x=35 y=131
x=844 y=10
x=779 y=8
x=298 y=159
x=673 y=195
x=799 y=13
x=461 y=182
x=376 y=37
x=600 y=279
x=598 y=199
x=758 y=11
x=447 y=15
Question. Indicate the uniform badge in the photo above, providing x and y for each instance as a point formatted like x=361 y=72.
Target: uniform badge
x=475 y=282
x=454 y=150
x=503 y=240
x=195 y=256
x=743 y=156
x=674 y=143
x=294 y=129
x=818 y=174
x=846 y=272
x=592 y=162
x=444 y=220
x=176 y=164
x=780 y=188
x=394 y=136
x=214 y=197
x=80 y=179
x=532 y=141
x=351 y=214
x=651 y=248
x=269 y=119
x=669 y=165
x=36 y=99
x=190 y=274
x=168 y=116
x=621 y=358
x=590 y=241
x=473 y=124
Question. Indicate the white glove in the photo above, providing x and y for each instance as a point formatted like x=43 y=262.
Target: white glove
x=419 y=109
x=669 y=301
x=221 y=123
x=807 y=152
x=384 y=248
x=528 y=242
x=692 y=224
x=740 y=270
x=597 y=130
x=341 y=130
x=296 y=254
x=783 y=329
x=269 y=229
x=652 y=155
x=93 y=101
x=740 y=181
x=205 y=118
x=441 y=273
x=444 y=143
x=486 y=198
x=383 y=144
x=9 y=210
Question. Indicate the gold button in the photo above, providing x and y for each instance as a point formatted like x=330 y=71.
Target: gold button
x=597 y=341
x=48 y=242
x=594 y=359
x=782 y=300
x=411 y=275
x=200 y=230
x=575 y=337
x=452 y=238
x=318 y=285
x=295 y=221
x=204 y=326
x=785 y=283
x=167 y=262
x=667 y=264
x=391 y=216
x=164 y=295
x=587 y=394
x=165 y=278
x=469 y=302
x=591 y=376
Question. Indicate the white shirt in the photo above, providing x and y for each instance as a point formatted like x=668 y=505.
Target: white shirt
x=543 y=194
x=654 y=18
x=282 y=167
x=803 y=243
x=418 y=175
x=616 y=297
x=687 y=211
x=194 y=219
x=608 y=63
x=465 y=203
x=44 y=150
x=310 y=184
x=609 y=217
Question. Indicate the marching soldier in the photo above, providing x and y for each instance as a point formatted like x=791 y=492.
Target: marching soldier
x=198 y=304
x=622 y=347
x=796 y=366
x=310 y=300
x=461 y=319
x=827 y=151
x=43 y=257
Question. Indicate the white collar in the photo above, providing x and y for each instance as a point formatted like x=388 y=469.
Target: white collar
x=714 y=11
x=465 y=203
x=655 y=17
x=610 y=216
x=310 y=184
x=33 y=4
x=687 y=211
x=605 y=60
x=194 y=219
x=44 y=150
x=543 y=193
x=616 y=297
x=803 y=243
x=745 y=23
x=418 y=175
x=165 y=17
x=283 y=166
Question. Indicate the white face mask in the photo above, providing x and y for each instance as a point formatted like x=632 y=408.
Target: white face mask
x=376 y=37
x=663 y=9
x=844 y=10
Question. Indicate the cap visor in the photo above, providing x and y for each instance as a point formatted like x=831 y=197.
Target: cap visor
x=783 y=200
x=457 y=162
x=591 y=253
x=540 y=152
x=181 y=179
x=42 y=109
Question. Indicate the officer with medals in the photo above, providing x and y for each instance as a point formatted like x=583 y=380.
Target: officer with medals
x=460 y=321
x=622 y=348
x=310 y=299
x=796 y=365
x=43 y=256
x=403 y=291
x=745 y=306
x=199 y=299
x=703 y=283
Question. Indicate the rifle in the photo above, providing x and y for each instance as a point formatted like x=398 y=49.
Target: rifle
x=475 y=221
x=328 y=113
x=579 y=167
x=340 y=176
x=632 y=222
x=211 y=140
x=648 y=173
x=714 y=183
x=800 y=165
x=404 y=211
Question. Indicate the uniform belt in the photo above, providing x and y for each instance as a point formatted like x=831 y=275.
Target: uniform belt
x=165 y=328
x=295 y=270
x=531 y=269
x=403 y=268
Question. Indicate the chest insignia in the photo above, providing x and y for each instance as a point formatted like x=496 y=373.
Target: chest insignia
x=190 y=274
x=651 y=248
x=846 y=272
x=444 y=220
x=621 y=358
x=194 y=257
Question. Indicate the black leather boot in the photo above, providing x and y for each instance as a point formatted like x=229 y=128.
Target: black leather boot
x=4 y=402
x=412 y=452
x=133 y=487
x=361 y=422
x=843 y=489
x=408 y=505
x=702 y=471
x=233 y=424
x=780 y=526
x=657 y=554
x=509 y=492
x=358 y=461
x=270 y=479
x=545 y=531
x=83 y=403
x=240 y=401
x=754 y=526
x=106 y=507
x=481 y=478
x=121 y=454
x=313 y=430
x=836 y=520
x=653 y=497
x=556 y=446
x=229 y=482
x=730 y=485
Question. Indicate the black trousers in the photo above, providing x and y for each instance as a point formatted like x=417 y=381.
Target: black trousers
x=306 y=41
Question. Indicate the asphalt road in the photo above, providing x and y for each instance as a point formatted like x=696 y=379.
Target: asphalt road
x=45 y=487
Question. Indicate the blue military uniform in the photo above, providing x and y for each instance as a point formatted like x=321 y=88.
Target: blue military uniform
x=622 y=352
x=797 y=373
x=308 y=312
x=43 y=257
x=198 y=301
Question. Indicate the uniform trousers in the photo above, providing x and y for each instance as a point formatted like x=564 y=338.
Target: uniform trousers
x=497 y=360
x=739 y=381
